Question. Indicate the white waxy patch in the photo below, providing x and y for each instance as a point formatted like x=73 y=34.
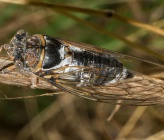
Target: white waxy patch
x=124 y=73
x=46 y=57
x=86 y=75
x=69 y=69
x=64 y=62
x=62 y=53
x=118 y=77
x=47 y=41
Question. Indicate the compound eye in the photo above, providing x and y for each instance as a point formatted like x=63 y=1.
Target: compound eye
x=22 y=33
x=18 y=65
x=19 y=37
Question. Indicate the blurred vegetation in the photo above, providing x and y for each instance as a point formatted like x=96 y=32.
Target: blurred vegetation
x=63 y=117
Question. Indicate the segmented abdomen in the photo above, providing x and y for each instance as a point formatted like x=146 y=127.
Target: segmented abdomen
x=98 y=60
x=104 y=69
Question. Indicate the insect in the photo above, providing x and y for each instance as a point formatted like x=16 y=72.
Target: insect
x=83 y=70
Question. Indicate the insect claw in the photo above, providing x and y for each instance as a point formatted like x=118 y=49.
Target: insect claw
x=34 y=81
x=33 y=86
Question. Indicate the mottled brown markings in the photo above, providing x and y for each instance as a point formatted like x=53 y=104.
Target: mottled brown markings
x=38 y=67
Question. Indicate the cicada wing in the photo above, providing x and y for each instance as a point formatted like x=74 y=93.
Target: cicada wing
x=138 y=90
x=125 y=59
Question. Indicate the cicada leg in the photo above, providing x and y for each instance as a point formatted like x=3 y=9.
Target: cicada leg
x=11 y=67
x=8 y=68
x=34 y=81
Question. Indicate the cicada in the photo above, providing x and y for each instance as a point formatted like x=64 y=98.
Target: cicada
x=83 y=70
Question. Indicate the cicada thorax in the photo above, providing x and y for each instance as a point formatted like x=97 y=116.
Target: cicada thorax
x=40 y=53
x=44 y=53
x=33 y=52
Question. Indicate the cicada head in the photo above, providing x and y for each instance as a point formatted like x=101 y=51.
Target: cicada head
x=17 y=45
x=23 y=49
x=15 y=49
